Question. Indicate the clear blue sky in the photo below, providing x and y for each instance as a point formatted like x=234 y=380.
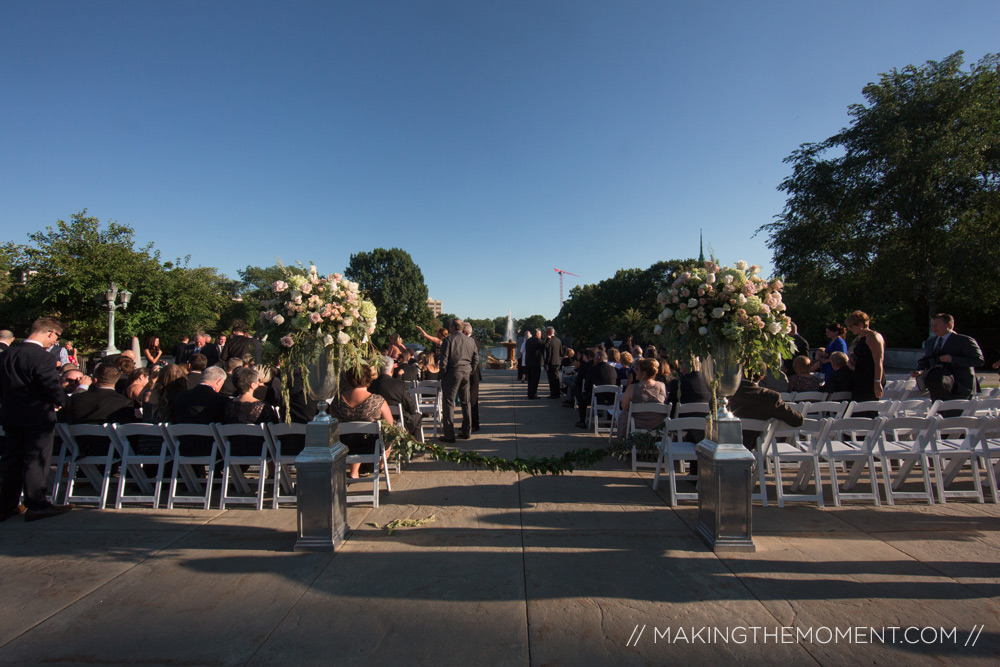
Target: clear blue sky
x=492 y=140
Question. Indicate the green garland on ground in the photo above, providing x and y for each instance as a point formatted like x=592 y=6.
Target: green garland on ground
x=404 y=446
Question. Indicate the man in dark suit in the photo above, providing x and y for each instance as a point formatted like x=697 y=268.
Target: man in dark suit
x=100 y=405
x=201 y=405
x=552 y=353
x=475 y=379
x=29 y=385
x=842 y=377
x=238 y=344
x=407 y=370
x=196 y=364
x=955 y=353
x=179 y=356
x=395 y=392
x=600 y=373
x=459 y=355
x=753 y=402
x=6 y=340
x=533 y=348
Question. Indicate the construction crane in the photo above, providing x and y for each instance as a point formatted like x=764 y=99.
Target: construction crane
x=561 y=272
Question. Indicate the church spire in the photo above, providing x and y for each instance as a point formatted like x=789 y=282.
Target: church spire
x=701 y=248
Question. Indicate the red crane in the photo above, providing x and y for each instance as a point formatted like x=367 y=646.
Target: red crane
x=561 y=272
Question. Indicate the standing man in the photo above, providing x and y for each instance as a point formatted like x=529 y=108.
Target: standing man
x=31 y=392
x=238 y=344
x=459 y=355
x=6 y=340
x=553 y=361
x=475 y=379
x=957 y=354
x=533 y=348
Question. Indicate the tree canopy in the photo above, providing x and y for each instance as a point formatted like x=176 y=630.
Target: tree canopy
x=65 y=269
x=899 y=213
x=396 y=286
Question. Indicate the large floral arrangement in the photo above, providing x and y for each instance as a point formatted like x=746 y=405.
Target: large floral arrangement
x=715 y=308
x=315 y=322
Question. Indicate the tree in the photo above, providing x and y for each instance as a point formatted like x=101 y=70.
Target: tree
x=67 y=268
x=623 y=304
x=530 y=322
x=898 y=213
x=396 y=286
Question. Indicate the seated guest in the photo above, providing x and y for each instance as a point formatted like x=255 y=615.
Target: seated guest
x=245 y=409
x=802 y=379
x=842 y=378
x=228 y=387
x=211 y=350
x=775 y=380
x=835 y=332
x=645 y=389
x=125 y=365
x=357 y=404
x=170 y=381
x=201 y=405
x=73 y=381
x=395 y=392
x=625 y=372
x=600 y=373
x=429 y=369
x=138 y=380
x=196 y=365
x=754 y=402
x=101 y=405
x=406 y=369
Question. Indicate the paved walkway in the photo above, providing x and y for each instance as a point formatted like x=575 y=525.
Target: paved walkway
x=591 y=568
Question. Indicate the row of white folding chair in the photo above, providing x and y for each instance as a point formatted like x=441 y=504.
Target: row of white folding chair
x=677 y=445
x=661 y=409
x=380 y=466
x=603 y=414
x=427 y=396
x=810 y=396
x=988 y=450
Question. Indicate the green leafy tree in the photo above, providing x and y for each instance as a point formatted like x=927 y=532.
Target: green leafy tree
x=396 y=286
x=68 y=267
x=899 y=213
x=484 y=330
x=530 y=322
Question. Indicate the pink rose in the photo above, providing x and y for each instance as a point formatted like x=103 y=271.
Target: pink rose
x=315 y=318
x=287 y=341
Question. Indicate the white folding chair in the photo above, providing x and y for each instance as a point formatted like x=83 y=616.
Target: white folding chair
x=377 y=458
x=761 y=428
x=967 y=406
x=913 y=407
x=149 y=437
x=988 y=451
x=427 y=396
x=852 y=440
x=954 y=444
x=988 y=407
x=842 y=396
x=608 y=411
x=906 y=440
x=399 y=417
x=634 y=409
x=787 y=396
x=255 y=441
x=801 y=445
x=809 y=396
x=699 y=409
x=822 y=409
x=287 y=440
x=869 y=409
x=188 y=464
x=675 y=446
x=96 y=466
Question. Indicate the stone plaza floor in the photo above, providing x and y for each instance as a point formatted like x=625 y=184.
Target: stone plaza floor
x=589 y=568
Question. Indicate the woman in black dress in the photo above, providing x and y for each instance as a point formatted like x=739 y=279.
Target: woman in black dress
x=867 y=355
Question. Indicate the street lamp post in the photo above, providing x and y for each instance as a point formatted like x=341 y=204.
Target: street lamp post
x=123 y=298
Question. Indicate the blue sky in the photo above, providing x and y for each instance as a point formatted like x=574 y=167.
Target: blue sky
x=494 y=141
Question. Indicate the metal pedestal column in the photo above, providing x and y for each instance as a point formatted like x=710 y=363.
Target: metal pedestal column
x=725 y=484
x=321 y=491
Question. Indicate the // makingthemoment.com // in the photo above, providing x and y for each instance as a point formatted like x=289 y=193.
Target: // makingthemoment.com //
x=809 y=635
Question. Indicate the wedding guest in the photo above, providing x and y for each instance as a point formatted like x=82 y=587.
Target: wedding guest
x=835 y=332
x=6 y=340
x=201 y=405
x=801 y=348
x=600 y=373
x=754 y=402
x=459 y=357
x=211 y=351
x=178 y=352
x=196 y=365
x=533 y=348
x=125 y=365
x=152 y=351
x=866 y=358
x=429 y=369
x=237 y=345
x=70 y=353
x=645 y=389
x=170 y=381
x=475 y=379
x=357 y=404
x=842 y=378
x=406 y=369
x=246 y=409
x=229 y=386
x=101 y=405
x=395 y=392
x=74 y=381
x=552 y=358
x=395 y=347
x=138 y=381
x=802 y=379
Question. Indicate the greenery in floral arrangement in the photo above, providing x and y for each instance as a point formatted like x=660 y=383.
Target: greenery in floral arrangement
x=717 y=307
x=315 y=322
x=643 y=441
x=405 y=445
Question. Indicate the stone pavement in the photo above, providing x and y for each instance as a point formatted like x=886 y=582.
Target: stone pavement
x=591 y=568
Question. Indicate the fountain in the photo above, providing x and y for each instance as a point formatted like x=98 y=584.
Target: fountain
x=509 y=341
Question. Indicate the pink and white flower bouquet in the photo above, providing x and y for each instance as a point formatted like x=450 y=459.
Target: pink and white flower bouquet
x=716 y=307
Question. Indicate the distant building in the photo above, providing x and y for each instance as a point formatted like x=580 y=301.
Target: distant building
x=435 y=306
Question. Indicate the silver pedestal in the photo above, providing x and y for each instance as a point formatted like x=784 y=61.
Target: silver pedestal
x=725 y=485
x=321 y=487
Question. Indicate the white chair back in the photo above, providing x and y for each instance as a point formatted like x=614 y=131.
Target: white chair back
x=377 y=458
x=190 y=459
x=243 y=446
x=288 y=441
x=153 y=438
x=95 y=465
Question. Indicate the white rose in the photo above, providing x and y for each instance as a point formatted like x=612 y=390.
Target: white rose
x=353 y=287
x=740 y=299
x=668 y=312
x=343 y=338
x=279 y=320
x=710 y=278
x=663 y=316
x=692 y=303
x=741 y=265
x=658 y=330
x=718 y=312
x=703 y=331
x=327 y=340
x=661 y=298
x=773 y=328
x=348 y=321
